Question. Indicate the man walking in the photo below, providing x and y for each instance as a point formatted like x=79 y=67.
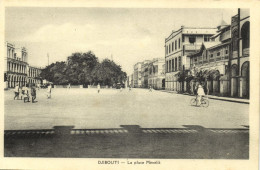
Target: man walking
x=33 y=93
x=16 y=92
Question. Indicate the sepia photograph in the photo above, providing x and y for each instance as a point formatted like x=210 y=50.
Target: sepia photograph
x=117 y=84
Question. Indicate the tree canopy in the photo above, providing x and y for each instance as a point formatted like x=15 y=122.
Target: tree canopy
x=84 y=68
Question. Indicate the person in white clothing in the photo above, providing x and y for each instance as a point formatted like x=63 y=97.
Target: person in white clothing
x=16 y=92
x=98 y=87
x=200 y=94
x=49 y=91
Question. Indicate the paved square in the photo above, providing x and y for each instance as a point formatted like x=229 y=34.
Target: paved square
x=85 y=108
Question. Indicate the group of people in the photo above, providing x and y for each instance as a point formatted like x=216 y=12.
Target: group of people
x=25 y=93
x=28 y=92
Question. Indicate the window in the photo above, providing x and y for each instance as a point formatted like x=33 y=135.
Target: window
x=206 y=38
x=172 y=64
x=179 y=43
x=183 y=38
x=166 y=50
x=211 y=55
x=172 y=46
x=218 y=54
x=176 y=64
x=175 y=44
x=195 y=59
x=226 y=51
x=180 y=65
x=192 y=39
x=167 y=66
x=169 y=48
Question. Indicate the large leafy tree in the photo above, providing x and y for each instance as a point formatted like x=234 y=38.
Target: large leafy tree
x=84 y=68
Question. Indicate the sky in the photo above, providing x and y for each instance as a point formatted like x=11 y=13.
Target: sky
x=126 y=35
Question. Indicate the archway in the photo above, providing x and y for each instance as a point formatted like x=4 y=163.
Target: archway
x=245 y=86
x=245 y=34
x=163 y=84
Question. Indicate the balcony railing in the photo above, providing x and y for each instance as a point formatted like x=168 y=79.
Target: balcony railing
x=245 y=52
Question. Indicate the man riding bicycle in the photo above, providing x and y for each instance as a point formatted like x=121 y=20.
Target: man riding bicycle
x=200 y=93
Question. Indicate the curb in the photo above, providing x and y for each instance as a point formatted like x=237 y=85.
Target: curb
x=214 y=98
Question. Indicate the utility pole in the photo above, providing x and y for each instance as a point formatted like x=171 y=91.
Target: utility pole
x=48 y=58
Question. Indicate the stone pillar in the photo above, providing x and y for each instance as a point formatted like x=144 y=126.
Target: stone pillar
x=209 y=82
x=243 y=88
x=215 y=86
x=233 y=87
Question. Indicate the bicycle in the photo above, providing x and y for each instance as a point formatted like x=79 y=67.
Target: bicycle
x=204 y=102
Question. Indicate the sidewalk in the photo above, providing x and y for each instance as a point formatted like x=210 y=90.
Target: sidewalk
x=229 y=99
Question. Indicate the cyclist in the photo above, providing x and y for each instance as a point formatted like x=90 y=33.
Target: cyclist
x=200 y=93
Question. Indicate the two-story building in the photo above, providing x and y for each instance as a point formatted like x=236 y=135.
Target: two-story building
x=178 y=46
x=210 y=65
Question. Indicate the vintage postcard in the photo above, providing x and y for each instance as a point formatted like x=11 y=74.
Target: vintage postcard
x=122 y=85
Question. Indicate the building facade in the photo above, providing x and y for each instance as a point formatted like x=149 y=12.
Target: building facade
x=178 y=46
x=17 y=69
x=144 y=73
x=239 y=59
x=156 y=73
x=137 y=76
x=210 y=65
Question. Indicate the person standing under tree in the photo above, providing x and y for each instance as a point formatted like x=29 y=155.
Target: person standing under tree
x=98 y=87
x=49 y=91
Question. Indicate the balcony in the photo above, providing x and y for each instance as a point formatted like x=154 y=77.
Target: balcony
x=192 y=47
x=226 y=35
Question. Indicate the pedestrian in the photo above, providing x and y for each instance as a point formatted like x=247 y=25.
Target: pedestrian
x=16 y=92
x=98 y=87
x=23 y=92
x=20 y=93
x=33 y=93
x=150 y=89
x=69 y=86
x=27 y=93
x=49 y=91
x=200 y=94
x=130 y=88
x=121 y=88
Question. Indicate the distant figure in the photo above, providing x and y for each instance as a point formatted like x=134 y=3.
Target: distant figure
x=33 y=93
x=69 y=86
x=150 y=89
x=16 y=92
x=98 y=87
x=130 y=88
x=49 y=91
x=121 y=89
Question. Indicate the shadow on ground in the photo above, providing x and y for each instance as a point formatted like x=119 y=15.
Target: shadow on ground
x=129 y=141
